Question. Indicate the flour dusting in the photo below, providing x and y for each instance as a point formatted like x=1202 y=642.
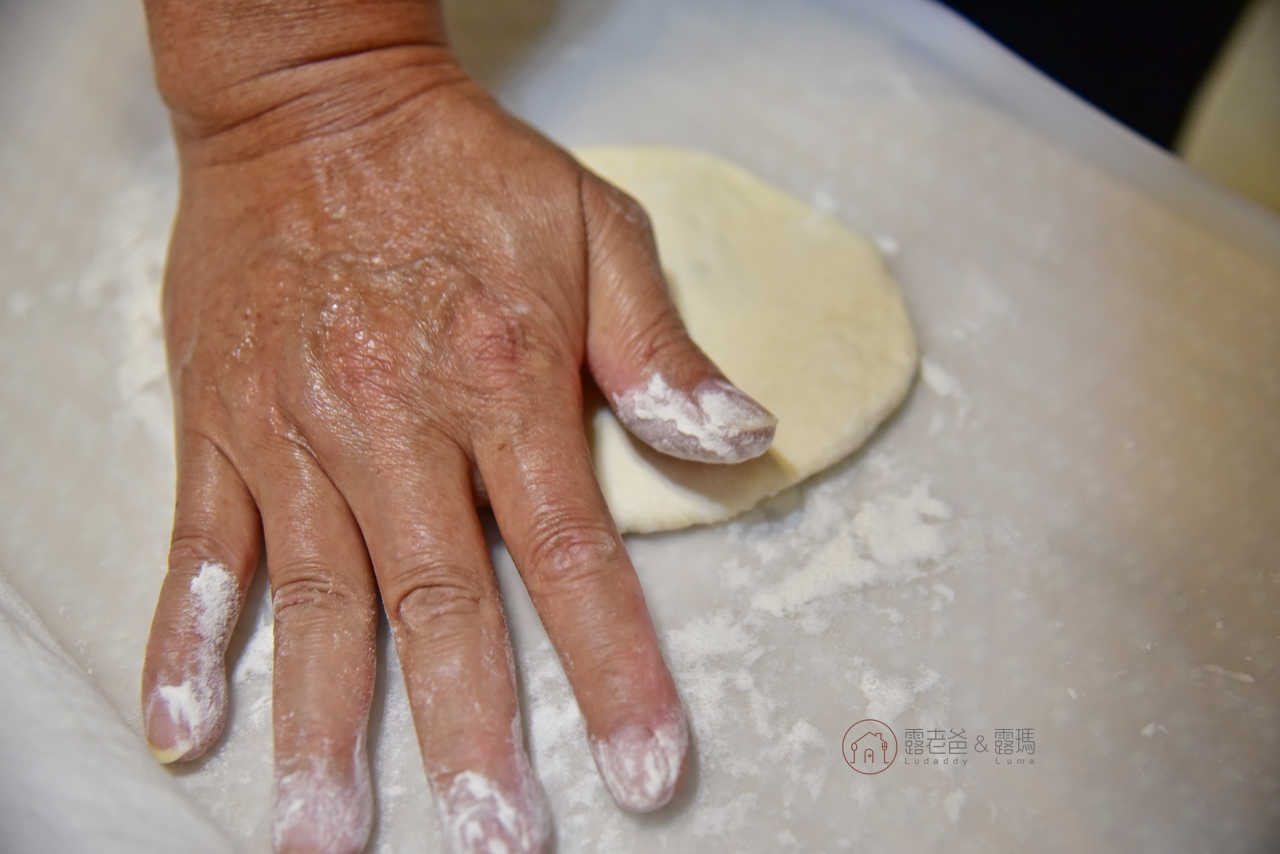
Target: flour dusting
x=835 y=567
x=642 y=765
x=945 y=385
x=124 y=275
x=889 y=696
x=251 y=676
x=893 y=541
x=715 y=424
x=1219 y=670
x=318 y=808
x=197 y=705
x=480 y=816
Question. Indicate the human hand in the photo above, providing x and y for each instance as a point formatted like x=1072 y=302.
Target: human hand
x=382 y=289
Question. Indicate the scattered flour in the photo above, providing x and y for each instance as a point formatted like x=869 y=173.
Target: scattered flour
x=256 y=659
x=939 y=381
x=897 y=530
x=251 y=676
x=945 y=385
x=717 y=821
x=835 y=568
x=801 y=751
x=894 y=540
x=557 y=734
x=945 y=592
x=1218 y=670
x=888 y=697
x=125 y=274
x=887 y=244
x=953 y=803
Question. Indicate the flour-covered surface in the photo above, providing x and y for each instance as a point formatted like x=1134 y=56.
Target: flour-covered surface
x=1066 y=541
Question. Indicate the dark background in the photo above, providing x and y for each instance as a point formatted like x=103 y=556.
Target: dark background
x=1139 y=60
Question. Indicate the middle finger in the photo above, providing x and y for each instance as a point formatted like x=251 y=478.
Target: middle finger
x=324 y=606
x=417 y=511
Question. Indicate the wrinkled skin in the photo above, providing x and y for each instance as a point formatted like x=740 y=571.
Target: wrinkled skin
x=378 y=303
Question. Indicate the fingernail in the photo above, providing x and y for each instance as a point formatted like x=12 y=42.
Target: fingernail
x=717 y=423
x=641 y=765
x=180 y=719
x=183 y=718
x=319 y=810
x=479 y=817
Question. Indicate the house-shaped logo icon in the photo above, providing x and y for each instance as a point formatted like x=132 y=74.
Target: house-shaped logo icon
x=869 y=749
x=870 y=746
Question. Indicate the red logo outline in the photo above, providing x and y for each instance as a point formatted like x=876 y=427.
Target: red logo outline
x=878 y=729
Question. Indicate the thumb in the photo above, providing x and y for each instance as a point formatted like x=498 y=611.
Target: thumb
x=662 y=387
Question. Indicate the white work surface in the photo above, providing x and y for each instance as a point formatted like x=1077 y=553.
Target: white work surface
x=1071 y=527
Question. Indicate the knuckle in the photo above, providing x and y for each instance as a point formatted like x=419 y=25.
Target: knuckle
x=305 y=588
x=350 y=363
x=572 y=546
x=432 y=591
x=189 y=550
x=353 y=350
x=493 y=344
x=499 y=343
x=659 y=339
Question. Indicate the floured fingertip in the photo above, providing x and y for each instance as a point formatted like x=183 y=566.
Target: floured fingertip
x=182 y=721
x=185 y=712
x=716 y=423
x=480 y=816
x=319 y=809
x=642 y=765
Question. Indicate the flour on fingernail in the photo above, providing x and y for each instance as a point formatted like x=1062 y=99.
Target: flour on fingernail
x=480 y=817
x=717 y=423
x=321 y=810
x=641 y=765
x=196 y=706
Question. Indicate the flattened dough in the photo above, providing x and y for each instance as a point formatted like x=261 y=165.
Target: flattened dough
x=796 y=309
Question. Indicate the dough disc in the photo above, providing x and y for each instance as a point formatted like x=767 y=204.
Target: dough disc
x=796 y=309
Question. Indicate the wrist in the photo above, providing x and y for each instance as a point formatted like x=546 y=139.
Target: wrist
x=256 y=75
